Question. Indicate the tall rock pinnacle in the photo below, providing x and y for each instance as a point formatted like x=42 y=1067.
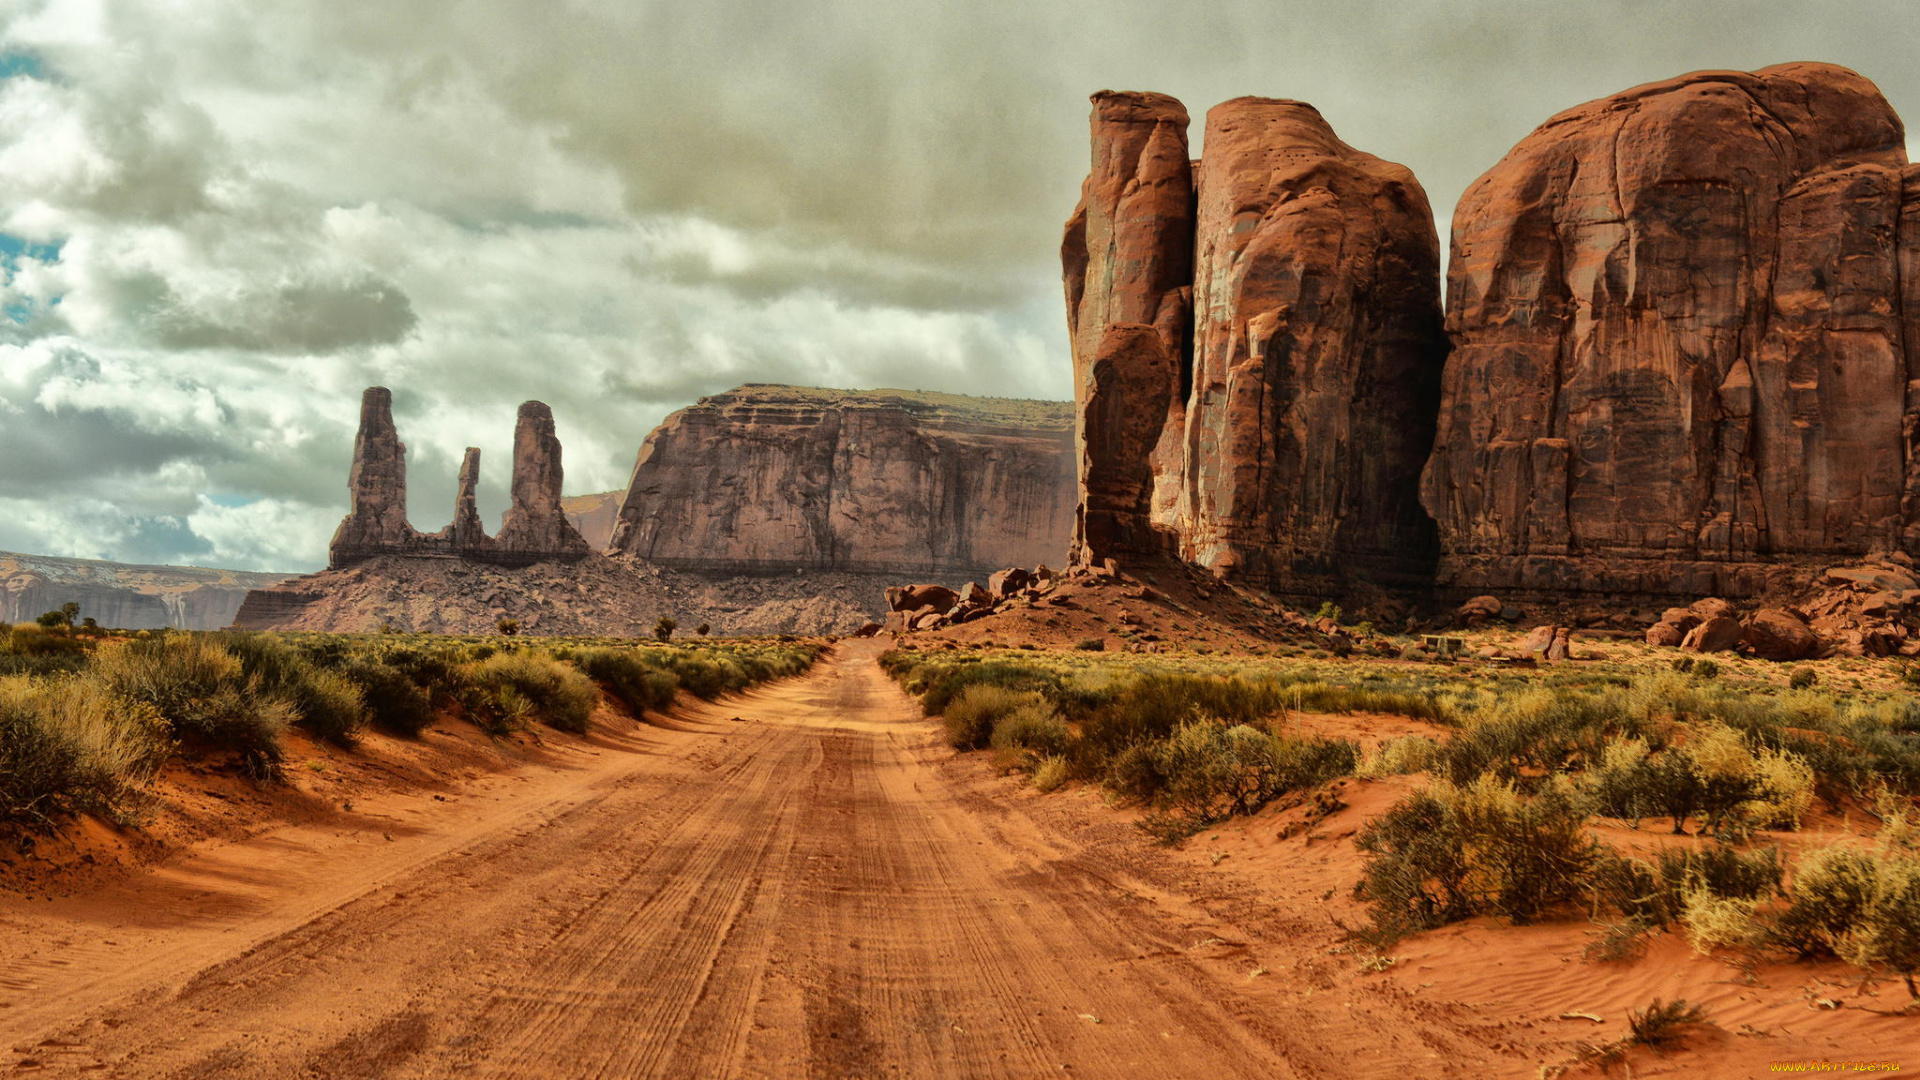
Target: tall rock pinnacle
x=376 y=521
x=535 y=527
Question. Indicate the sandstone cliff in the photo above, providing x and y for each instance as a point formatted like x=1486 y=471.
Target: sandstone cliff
x=1257 y=346
x=776 y=478
x=122 y=595
x=535 y=528
x=1684 y=341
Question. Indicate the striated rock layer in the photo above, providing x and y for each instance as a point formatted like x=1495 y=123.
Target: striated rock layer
x=775 y=479
x=1684 y=338
x=535 y=529
x=123 y=595
x=1257 y=347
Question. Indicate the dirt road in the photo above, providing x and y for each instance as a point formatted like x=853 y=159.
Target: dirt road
x=811 y=890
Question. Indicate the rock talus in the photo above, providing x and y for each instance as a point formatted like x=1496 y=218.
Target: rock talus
x=1682 y=340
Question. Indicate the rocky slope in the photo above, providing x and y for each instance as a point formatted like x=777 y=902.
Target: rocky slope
x=124 y=595
x=777 y=478
x=596 y=595
x=1257 y=346
x=1684 y=323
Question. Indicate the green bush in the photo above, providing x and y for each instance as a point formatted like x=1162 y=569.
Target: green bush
x=633 y=681
x=1861 y=905
x=203 y=694
x=1033 y=728
x=970 y=717
x=1653 y=892
x=69 y=745
x=1832 y=891
x=392 y=698
x=1209 y=771
x=1448 y=852
x=553 y=692
x=327 y=702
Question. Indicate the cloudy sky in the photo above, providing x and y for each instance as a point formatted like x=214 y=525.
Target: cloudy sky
x=220 y=219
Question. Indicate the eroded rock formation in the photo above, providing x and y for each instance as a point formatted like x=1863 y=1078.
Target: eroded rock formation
x=1257 y=346
x=774 y=478
x=1683 y=327
x=535 y=528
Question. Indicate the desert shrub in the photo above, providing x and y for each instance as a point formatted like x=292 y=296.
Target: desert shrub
x=1210 y=771
x=939 y=687
x=69 y=745
x=1450 y=852
x=556 y=693
x=1134 y=773
x=1092 y=645
x=1397 y=757
x=1050 y=774
x=438 y=672
x=1862 y=905
x=327 y=702
x=394 y=701
x=1716 y=922
x=1682 y=664
x=1803 y=678
x=1706 y=669
x=1653 y=891
x=970 y=717
x=1832 y=890
x=1033 y=728
x=625 y=673
x=203 y=694
x=1663 y=1024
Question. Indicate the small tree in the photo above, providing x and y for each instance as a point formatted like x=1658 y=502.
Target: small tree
x=52 y=619
x=508 y=627
x=703 y=629
x=664 y=628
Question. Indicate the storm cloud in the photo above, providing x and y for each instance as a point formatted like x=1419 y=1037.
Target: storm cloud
x=220 y=219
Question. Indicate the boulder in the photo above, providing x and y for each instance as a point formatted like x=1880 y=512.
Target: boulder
x=937 y=598
x=1666 y=634
x=1718 y=634
x=1710 y=608
x=1008 y=583
x=1538 y=640
x=975 y=595
x=1562 y=647
x=868 y=629
x=1778 y=634
x=1680 y=341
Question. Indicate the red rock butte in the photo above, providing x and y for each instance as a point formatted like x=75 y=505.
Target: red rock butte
x=1681 y=347
x=1257 y=346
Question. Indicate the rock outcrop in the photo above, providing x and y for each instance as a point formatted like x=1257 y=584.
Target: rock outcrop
x=1266 y=416
x=594 y=516
x=123 y=595
x=1127 y=259
x=1683 y=322
x=766 y=479
x=535 y=528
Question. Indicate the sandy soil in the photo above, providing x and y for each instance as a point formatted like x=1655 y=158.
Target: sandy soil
x=799 y=882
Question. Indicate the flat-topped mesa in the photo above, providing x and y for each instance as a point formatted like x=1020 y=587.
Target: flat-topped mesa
x=376 y=521
x=535 y=528
x=777 y=479
x=1317 y=356
x=1127 y=263
x=1257 y=347
x=1683 y=342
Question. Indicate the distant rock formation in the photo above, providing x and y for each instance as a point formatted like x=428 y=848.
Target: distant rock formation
x=123 y=595
x=535 y=528
x=1686 y=333
x=1257 y=346
x=766 y=479
x=594 y=516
